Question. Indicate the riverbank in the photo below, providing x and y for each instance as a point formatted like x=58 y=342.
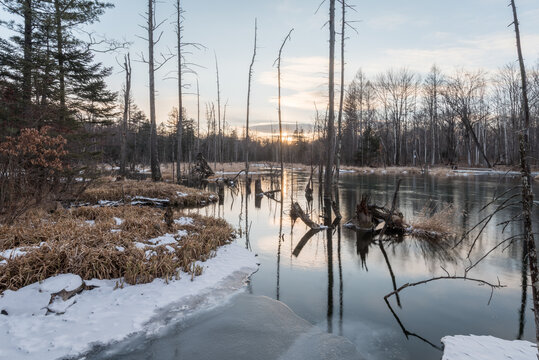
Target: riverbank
x=232 y=169
x=108 y=265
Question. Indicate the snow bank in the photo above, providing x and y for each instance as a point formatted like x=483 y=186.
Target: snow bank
x=104 y=314
x=460 y=347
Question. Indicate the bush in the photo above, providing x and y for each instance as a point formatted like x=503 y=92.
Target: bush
x=31 y=169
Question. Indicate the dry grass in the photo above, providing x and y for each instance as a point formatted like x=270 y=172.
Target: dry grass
x=435 y=222
x=178 y=195
x=93 y=251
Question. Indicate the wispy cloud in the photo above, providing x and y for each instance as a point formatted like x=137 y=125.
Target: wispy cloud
x=303 y=81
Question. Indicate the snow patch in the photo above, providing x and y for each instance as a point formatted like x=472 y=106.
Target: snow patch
x=461 y=347
x=118 y=221
x=107 y=313
x=184 y=221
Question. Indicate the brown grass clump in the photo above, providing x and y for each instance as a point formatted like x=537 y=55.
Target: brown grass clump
x=434 y=225
x=178 y=195
x=94 y=251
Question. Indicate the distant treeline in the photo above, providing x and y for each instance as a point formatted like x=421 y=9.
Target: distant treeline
x=48 y=77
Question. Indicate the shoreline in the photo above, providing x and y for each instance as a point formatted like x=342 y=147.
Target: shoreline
x=108 y=313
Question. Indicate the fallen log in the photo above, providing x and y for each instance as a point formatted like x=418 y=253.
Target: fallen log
x=297 y=212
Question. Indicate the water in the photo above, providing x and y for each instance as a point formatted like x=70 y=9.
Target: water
x=337 y=279
x=339 y=284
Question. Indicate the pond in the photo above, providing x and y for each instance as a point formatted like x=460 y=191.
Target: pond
x=339 y=284
x=337 y=279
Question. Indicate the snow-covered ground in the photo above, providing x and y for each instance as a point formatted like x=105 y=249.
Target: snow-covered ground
x=461 y=347
x=37 y=328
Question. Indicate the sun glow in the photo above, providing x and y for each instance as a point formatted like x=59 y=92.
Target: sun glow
x=287 y=138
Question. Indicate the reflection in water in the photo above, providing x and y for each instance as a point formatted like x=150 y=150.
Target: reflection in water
x=280 y=240
x=522 y=311
x=408 y=333
x=364 y=240
x=393 y=281
x=329 y=236
x=308 y=272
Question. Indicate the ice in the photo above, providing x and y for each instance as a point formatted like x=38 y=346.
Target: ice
x=246 y=327
x=461 y=347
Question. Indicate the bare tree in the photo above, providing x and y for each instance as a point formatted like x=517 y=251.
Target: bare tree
x=151 y=26
x=330 y=136
x=179 y=125
x=464 y=93
x=527 y=194
x=125 y=119
x=219 y=138
x=278 y=61
x=248 y=104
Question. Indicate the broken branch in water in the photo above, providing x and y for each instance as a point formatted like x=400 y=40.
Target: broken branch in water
x=297 y=212
x=481 y=282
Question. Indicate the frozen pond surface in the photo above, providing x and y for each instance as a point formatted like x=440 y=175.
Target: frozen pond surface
x=338 y=278
x=246 y=327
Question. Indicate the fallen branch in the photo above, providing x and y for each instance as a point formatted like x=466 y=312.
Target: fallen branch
x=481 y=282
x=297 y=212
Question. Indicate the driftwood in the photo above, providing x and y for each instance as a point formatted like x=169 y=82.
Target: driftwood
x=297 y=212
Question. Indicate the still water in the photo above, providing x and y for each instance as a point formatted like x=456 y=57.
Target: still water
x=337 y=279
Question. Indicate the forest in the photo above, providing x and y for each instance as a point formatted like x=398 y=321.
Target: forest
x=49 y=78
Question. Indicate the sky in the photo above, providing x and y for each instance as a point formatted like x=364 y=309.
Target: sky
x=416 y=34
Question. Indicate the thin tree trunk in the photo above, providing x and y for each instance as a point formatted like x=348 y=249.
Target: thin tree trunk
x=330 y=139
x=219 y=138
x=154 y=159
x=127 y=96
x=60 y=59
x=279 y=104
x=198 y=119
x=248 y=104
x=341 y=99
x=179 y=125
x=28 y=52
x=527 y=194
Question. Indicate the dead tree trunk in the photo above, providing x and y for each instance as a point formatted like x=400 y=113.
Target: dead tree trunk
x=219 y=137
x=127 y=98
x=247 y=118
x=330 y=135
x=527 y=194
x=341 y=98
x=154 y=159
x=179 y=125
x=279 y=103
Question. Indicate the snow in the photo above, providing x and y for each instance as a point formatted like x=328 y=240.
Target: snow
x=184 y=221
x=90 y=222
x=461 y=347
x=181 y=194
x=20 y=251
x=107 y=313
x=118 y=221
x=12 y=253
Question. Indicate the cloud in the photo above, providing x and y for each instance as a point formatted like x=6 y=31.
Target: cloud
x=303 y=82
x=488 y=52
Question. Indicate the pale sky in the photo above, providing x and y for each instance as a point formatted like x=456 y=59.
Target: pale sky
x=390 y=34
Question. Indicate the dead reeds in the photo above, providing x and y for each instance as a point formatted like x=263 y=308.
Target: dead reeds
x=101 y=243
x=128 y=190
x=433 y=224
